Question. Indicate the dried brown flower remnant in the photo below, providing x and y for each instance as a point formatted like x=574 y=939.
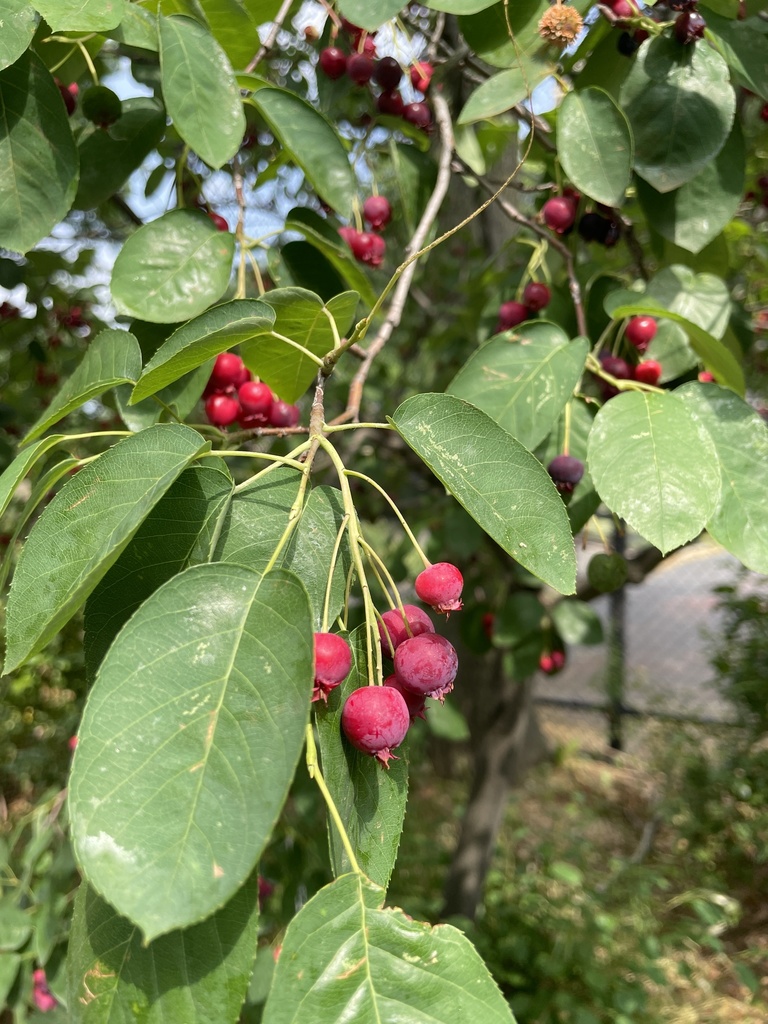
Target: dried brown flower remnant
x=561 y=24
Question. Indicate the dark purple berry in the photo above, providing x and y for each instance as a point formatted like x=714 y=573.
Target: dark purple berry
x=387 y=74
x=689 y=26
x=566 y=471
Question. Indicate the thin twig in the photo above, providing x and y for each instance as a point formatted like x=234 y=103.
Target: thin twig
x=269 y=42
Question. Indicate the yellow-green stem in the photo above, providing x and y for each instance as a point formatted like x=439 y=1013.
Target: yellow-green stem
x=396 y=510
x=313 y=767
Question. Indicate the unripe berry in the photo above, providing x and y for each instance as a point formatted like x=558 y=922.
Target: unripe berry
x=377 y=212
x=221 y=410
x=360 y=68
x=101 y=106
x=375 y=719
x=559 y=214
x=415 y=702
x=333 y=661
x=648 y=372
x=427 y=665
x=510 y=315
x=440 y=586
x=255 y=398
x=333 y=62
x=284 y=415
x=418 y=114
x=226 y=371
x=394 y=629
x=421 y=75
x=566 y=471
x=387 y=73
x=640 y=332
x=536 y=296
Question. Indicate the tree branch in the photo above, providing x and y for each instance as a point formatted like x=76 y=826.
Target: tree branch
x=269 y=42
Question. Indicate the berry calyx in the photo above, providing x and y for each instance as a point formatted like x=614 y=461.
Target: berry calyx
x=559 y=214
x=333 y=62
x=552 y=663
x=284 y=415
x=640 y=332
x=222 y=410
x=396 y=626
x=427 y=665
x=536 y=296
x=510 y=315
x=256 y=399
x=418 y=114
x=648 y=372
x=689 y=26
x=415 y=702
x=333 y=661
x=360 y=68
x=387 y=73
x=219 y=221
x=377 y=212
x=566 y=471
x=375 y=719
x=440 y=586
x=421 y=75
x=227 y=371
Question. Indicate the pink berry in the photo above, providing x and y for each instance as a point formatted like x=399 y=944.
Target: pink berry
x=369 y=248
x=69 y=94
x=255 y=398
x=706 y=377
x=648 y=372
x=440 y=586
x=536 y=296
x=416 y=703
x=369 y=46
x=226 y=371
x=219 y=222
x=552 y=663
x=375 y=719
x=377 y=212
x=390 y=103
x=360 y=68
x=421 y=75
x=284 y=415
x=566 y=471
x=394 y=629
x=221 y=410
x=418 y=114
x=427 y=665
x=559 y=213
x=333 y=62
x=640 y=332
x=348 y=234
x=510 y=315
x=333 y=661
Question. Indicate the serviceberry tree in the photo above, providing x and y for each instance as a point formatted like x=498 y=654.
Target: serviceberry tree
x=197 y=469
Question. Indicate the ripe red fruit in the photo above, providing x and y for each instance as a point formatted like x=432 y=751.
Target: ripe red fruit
x=333 y=661
x=559 y=213
x=415 y=702
x=421 y=75
x=390 y=103
x=333 y=62
x=566 y=471
x=427 y=665
x=377 y=212
x=536 y=296
x=552 y=663
x=368 y=248
x=394 y=629
x=706 y=377
x=510 y=315
x=440 y=586
x=69 y=95
x=255 y=398
x=226 y=371
x=418 y=114
x=9 y=312
x=689 y=26
x=387 y=73
x=360 y=68
x=221 y=410
x=219 y=221
x=648 y=372
x=640 y=332
x=369 y=46
x=623 y=9
x=375 y=719
x=616 y=366
x=284 y=415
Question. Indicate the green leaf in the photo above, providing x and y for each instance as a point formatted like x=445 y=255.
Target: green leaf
x=21 y=465
x=681 y=106
x=196 y=342
x=18 y=27
x=81 y=15
x=256 y=520
x=196 y=976
x=595 y=145
x=744 y=45
x=503 y=487
x=173 y=268
x=671 y=350
x=83 y=530
x=487 y=32
x=369 y=14
x=36 y=145
x=504 y=89
x=137 y=28
x=108 y=158
x=343 y=953
x=235 y=24
x=15 y=925
x=301 y=316
x=180 y=531
x=740 y=439
x=370 y=799
x=692 y=215
x=517 y=620
x=460 y=6
x=654 y=466
x=703 y=299
x=112 y=358
x=524 y=381
x=577 y=622
x=312 y=143
x=9 y=968
x=327 y=240
x=189 y=741
x=200 y=90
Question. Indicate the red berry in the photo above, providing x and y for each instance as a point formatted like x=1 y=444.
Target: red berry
x=221 y=410
x=640 y=332
x=552 y=663
x=415 y=702
x=764 y=112
x=375 y=719
x=69 y=95
x=72 y=742
x=348 y=233
x=219 y=221
x=369 y=248
x=706 y=377
x=360 y=68
x=377 y=212
x=418 y=114
x=226 y=371
x=284 y=415
x=623 y=9
x=488 y=620
x=566 y=471
x=390 y=103
x=421 y=75
x=10 y=312
x=333 y=661
x=510 y=315
x=252 y=420
x=427 y=665
x=536 y=296
x=255 y=398
x=689 y=26
x=559 y=213
x=394 y=629
x=387 y=73
x=333 y=62
x=616 y=366
x=648 y=372
x=369 y=46
x=440 y=586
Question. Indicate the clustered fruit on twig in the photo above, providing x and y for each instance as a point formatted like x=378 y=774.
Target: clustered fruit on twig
x=511 y=314
x=368 y=246
x=232 y=395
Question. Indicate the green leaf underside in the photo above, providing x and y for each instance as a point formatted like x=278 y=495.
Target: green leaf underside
x=312 y=143
x=671 y=350
x=524 y=381
x=654 y=466
x=200 y=704
x=346 y=958
x=36 y=145
x=503 y=90
x=201 y=339
x=81 y=15
x=740 y=438
x=83 y=530
x=113 y=357
x=744 y=44
x=137 y=28
x=177 y=533
x=369 y=14
x=327 y=240
x=680 y=105
x=595 y=145
x=173 y=268
x=577 y=622
x=200 y=90
x=371 y=799
x=235 y=23
x=256 y=520
x=197 y=976
x=503 y=487
x=19 y=25
x=21 y=465
x=703 y=299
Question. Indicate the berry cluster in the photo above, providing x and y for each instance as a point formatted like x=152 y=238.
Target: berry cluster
x=552 y=662
x=231 y=395
x=535 y=297
x=368 y=246
x=600 y=225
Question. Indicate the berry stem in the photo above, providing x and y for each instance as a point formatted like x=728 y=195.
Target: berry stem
x=396 y=510
x=377 y=564
x=567 y=426
x=275 y=462
x=332 y=570
x=601 y=535
x=317 y=360
x=294 y=515
x=333 y=428
x=313 y=767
